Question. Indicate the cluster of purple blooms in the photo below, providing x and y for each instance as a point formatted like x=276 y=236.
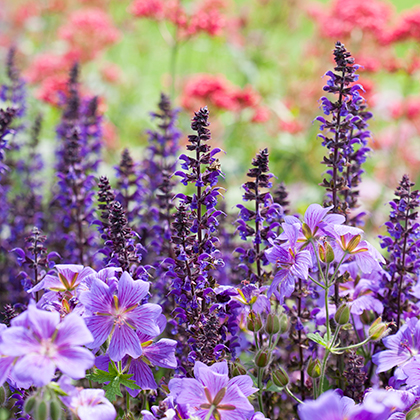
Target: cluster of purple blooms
x=155 y=304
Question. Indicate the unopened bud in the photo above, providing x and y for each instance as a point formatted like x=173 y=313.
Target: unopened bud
x=41 y=411
x=254 y=323
x=326 y=253
x=29 y=405
x=413 y=414
x=55 y=410
x=2 y=395
x=262 y=359
x=238 y=369
x=272 y=324
x=378 y=330
x=367 y=317
x=342 y=315
x=280 y=377
x=314 y=368
x=284 y=324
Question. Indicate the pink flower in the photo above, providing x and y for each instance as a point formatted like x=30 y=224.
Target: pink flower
x=152 y=9
x=91 y=24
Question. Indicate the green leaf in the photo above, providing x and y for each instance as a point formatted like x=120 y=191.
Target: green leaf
x=101 y=376
x=113 y=390
x=126 y=381
x=318 y=339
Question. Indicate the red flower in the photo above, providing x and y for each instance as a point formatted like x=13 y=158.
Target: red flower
x=88 y=32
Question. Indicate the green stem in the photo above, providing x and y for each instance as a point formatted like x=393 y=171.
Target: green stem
x=327 y=314
x=290 y=393
x=317 y=260
x=353 y=346
x=316 y=281
x=323 y=367
x=338 y=266
x=127 y=400
x=260 y=401
x=315 y=390
x=208 y=416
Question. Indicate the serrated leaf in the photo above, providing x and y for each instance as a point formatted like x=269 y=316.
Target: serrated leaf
x=318 y=339
x=113 y=390
x=101 y=376
x=125 y=380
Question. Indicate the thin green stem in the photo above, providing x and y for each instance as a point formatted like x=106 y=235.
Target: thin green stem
x=260 y=401
x=327 y=314
x=208 y=416
x=317 y=260
x=353 y=346
x=127 y=401
x=316 y=281
x=323 y=367
x=338 y=266
x=315 y=390
x=290 y=393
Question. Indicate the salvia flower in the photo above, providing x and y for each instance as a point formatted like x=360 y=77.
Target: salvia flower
x=39 y=343
x=212 y=389
x=117 y=311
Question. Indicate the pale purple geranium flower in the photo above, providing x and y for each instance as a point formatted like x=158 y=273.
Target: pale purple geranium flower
x=68 y=278
x=349 y=245
x=87 y=404
x=402 y=351
x=212 y=387
x=160 y=353
x=290 y=262
x=377 y=405
x=39 y=342
x=116 y=311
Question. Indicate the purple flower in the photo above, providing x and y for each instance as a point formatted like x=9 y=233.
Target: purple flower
x=87 y=404
x=348 y=244
x=68 y=278
x=116 y=311
x=40 y=344
x=291 y=263
x=377 y=405
x=401 y=347
x=212 y=387
x=160 y=353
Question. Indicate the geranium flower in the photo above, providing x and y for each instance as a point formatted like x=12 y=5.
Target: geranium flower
x=212 y=389
x=290 y=262
x=40 y=343
x=116 y=311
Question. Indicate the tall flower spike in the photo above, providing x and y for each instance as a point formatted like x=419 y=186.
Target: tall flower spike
x=196 y=255
x=73 y=201
x=265 y=218
x=347 y=119
x=401 y=243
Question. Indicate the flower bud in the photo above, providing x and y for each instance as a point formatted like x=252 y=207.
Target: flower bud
x=55 y=410
x=342 y=315
x=2 y=395
x=238 y=369
x=280 y=377
x=272 y=324
x=41 y=411
x=284 y=324
x=314 y=368
x=262 y=359
x=378 y=329
x=326 y=253
x=367 y=317
x=413 y=414
x=29 y=404
x=254 y=323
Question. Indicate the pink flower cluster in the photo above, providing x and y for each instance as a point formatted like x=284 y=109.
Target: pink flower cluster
x=216 y=91
x=87 y=32
x=206 y=16
x=344 y=17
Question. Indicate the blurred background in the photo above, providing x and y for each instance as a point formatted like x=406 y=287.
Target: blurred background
x=257 y=64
